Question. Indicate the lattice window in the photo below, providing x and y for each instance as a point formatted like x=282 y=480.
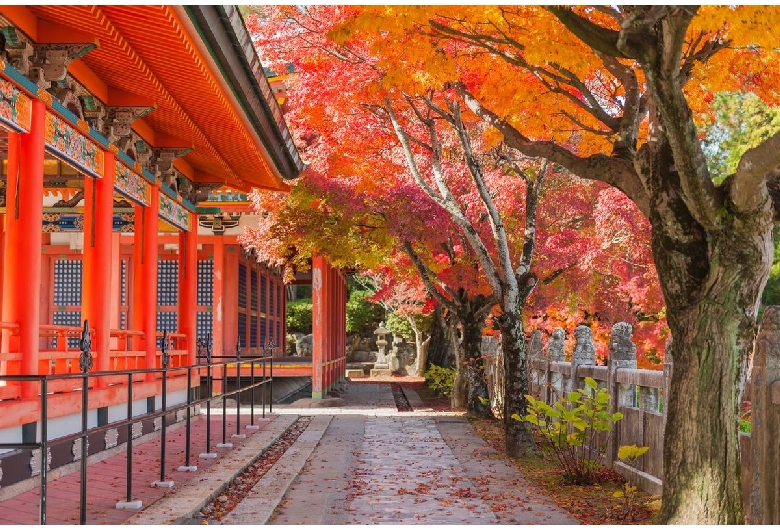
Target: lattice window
x=263 y=294
x=67 y=282
x=253 y=331
x=204 y=324
x=123 y=283
x=279 y=331
x=278 y=300
x=67 y=318
x=241 y=285
x=167 y=282
x=271 y=331
x=205 y=282
x=253 y=293
x=271 y=292
x=242 y=329
x=166 y=320
x=263 y=331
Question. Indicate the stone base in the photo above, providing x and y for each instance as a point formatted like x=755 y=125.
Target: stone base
x=355 y=374
x=381 y=372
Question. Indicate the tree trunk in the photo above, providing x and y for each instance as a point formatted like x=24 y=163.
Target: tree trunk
x=478 y=396
x=519 y=440
x=440 y=350
x=712 y=283
x=459 y=396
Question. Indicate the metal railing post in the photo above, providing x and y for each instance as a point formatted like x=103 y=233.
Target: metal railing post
x=85 y=363
x=129 y=438
x=252 y=396
x=129 y=502
x=188 y=433
x=44 y=449
x=164 y=361
x=238 y=387
x=271 y=346
x=207 y=344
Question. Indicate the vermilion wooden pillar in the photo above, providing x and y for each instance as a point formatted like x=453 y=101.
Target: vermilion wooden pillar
x=22 y=256
x=97 y=264
x=188 y=286
x=230 y=302
x=317 y=325
x=149 y=279
x=136 y=294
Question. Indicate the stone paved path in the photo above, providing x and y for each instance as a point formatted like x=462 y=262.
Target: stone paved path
x=407 y=474
x=375 y=465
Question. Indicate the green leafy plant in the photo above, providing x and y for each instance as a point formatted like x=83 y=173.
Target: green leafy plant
x=362 y=314
x=299 y=315
x=574 y=426
x=440 y=380
x=629 y=454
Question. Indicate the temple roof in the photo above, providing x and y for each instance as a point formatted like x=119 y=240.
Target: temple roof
x=196 y=66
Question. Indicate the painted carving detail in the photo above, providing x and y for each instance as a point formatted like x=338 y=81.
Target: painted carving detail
x=73 y=146
x=131 y=184
x=15 y=107
x=174 y=212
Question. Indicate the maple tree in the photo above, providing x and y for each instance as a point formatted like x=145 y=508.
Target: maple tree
x=309 y=44
x=625 y=85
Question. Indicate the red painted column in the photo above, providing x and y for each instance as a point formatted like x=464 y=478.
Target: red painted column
x=97 y=263
x=229 y=302
x=22 y=257
x=149 y=279
x=317 y=325
x=137 y=285
x=188 y=285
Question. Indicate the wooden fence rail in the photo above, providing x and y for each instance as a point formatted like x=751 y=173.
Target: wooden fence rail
x=639 y=394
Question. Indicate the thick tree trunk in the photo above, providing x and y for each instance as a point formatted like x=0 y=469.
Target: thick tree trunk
x=440 y=350
x=519 y=440
x=712 y=283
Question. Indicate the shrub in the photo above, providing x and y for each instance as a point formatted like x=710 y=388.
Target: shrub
x=299 y=315
x=440 y=380
x=361 y=314
x=572 y=426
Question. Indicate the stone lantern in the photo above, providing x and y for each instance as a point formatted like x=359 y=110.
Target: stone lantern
x=382 y=364
x=381 y=343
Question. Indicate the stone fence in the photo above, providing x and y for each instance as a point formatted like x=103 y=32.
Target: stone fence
x=639 y=395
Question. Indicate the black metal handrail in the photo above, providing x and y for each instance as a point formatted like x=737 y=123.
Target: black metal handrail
x=163 y=412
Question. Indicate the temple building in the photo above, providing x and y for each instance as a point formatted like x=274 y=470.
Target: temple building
x=130 y=137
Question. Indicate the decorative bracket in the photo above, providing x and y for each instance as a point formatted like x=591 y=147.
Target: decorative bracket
x=119 y=121
x=52 y=60
x=19 y=50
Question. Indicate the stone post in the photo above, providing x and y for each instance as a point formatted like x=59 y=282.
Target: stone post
x=556 y=352
x=535 y=354
x=584 y=354
x=764 y=500
x=622 y=354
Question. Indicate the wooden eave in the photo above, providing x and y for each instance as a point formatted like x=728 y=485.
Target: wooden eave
x=194 y=65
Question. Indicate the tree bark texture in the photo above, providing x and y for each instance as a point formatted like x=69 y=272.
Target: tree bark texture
x=478 y=396
x=519 y=440
x=712 y=281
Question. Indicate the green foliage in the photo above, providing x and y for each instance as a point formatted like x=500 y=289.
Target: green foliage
x=400 y=325
x=741 y=121
x=629 y=454
x=361 y=314
x=771 y=295
x=745 y=426
x=573 y=427
x=299 y=315
x=440 y=379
